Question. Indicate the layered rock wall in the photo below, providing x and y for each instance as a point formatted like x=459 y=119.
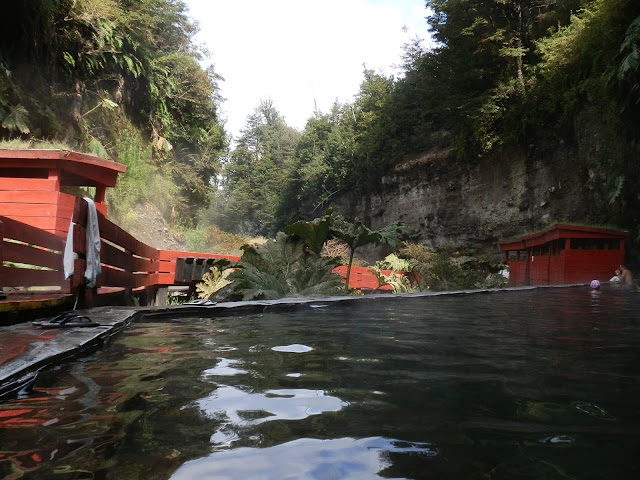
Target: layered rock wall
x=501 y=196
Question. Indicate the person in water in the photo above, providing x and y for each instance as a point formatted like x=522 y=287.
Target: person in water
x=625 y=275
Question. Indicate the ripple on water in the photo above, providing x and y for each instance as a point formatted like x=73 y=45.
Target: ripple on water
x=225 y=368
x=304 y=459
x=592 y=409
x=558 y=439
x=294 y=348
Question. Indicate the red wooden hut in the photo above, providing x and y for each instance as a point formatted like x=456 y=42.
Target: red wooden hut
x=33 y=184
x=562 y=254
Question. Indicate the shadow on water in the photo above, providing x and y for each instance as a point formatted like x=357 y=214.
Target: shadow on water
x=538 y=384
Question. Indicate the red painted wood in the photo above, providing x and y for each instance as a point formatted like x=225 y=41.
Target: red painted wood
x=1 y=251
x=79 y=174
x=29 y=234
x=21 y=196
x=172 y=255
x=564 y=265
x=46 y=224
x=35 y=157
x=21 y=253
x=110 y=277
x=42 y=210
x=22 y=277
x=27 y=184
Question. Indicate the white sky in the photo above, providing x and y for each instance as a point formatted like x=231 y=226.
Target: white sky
x=300 y=51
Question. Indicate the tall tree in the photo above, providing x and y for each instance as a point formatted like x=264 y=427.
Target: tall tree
x=256 y=173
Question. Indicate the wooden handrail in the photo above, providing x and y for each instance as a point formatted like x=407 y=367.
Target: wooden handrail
x=31 y=257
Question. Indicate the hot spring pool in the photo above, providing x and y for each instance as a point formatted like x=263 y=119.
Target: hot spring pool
x=536 y=384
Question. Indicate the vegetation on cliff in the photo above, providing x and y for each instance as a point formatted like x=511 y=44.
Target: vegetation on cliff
x=504 y=74
x=120 y=79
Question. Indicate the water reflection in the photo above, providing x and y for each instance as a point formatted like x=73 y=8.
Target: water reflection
x=295 y=348
x=519 y=385
x=243 y=408
x=313 y=460
x=225 y=368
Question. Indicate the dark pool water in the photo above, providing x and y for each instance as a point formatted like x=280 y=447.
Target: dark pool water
x=540 y=384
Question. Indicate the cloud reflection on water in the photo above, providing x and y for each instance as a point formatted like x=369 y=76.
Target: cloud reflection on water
x=303 y=459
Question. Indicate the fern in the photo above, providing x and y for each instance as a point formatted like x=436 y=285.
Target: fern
x=282 y=268
x=393 y=262
x=16 y=120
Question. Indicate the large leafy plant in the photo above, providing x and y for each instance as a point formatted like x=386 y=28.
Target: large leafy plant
x=316 y=233
x=284 y=268
x=213 y=281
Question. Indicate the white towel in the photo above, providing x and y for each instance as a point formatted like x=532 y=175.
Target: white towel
x=93 y=245
x=69 y=255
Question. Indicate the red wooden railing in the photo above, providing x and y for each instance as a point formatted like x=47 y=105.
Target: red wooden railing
x=31 y=257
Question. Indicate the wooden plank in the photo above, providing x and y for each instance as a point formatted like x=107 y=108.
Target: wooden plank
x=172 y=255
x=21 y=253
x=13 y=196
x=22 y=277
x=28 y=154
x=36 y=210
x=143 y=280
x=1 y=252
x=184 y=269
x=166 y=278
x=77 y=280
x=28 y=184
x=115 y=257
x=31 y=301
x=29 y=210
x=38 y=157
x=145 y=265
x=94 y=176
x=29 y=234
x=47 y=224
x=110 y=277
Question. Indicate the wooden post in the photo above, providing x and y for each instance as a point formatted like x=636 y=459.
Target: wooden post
x=100 y=193
x=161 y=296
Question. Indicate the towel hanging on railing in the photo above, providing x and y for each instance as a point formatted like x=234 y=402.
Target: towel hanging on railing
x=93 y=245
x=92 y=239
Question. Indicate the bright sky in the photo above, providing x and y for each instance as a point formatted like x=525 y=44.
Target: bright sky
x=301 y=53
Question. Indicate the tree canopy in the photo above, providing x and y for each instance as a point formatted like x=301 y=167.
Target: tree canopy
x=84 y=71
x=502 y=73
x=123 y=78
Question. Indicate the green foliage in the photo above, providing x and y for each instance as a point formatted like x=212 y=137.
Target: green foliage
x=398 y=282
x=395 y=263
x=316 y=233
x=255 y=173
x=16 y=120
x=141 y=182
x=81 y=72
x=453 y=268
x=282 y=268
x=213 y=281
x=212 y=239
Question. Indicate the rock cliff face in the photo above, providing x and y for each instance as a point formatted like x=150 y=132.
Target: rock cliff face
x=499 y=197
